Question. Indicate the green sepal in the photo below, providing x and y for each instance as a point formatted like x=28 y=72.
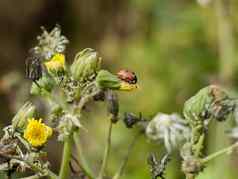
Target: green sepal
x=107 y=80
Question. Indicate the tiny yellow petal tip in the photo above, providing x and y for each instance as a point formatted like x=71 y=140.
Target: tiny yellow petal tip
x=127 y=86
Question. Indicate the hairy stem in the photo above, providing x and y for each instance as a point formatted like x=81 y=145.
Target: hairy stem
x=124 y=162
x=64 y=169
x=190 y=176
x=226 y=150
x=106 y=152
x=84 y=164
x=225 y=41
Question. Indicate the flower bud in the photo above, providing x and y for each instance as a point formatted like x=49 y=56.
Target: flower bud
x=131 y=119
x=86 y=65
x=107 y=80
x=192 y=166
x=20 y=119
x=45 y=84
x=209 y=103
x=112 y=105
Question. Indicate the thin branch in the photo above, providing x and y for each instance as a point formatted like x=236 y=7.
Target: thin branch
x=227 y=150
x=106 y=152
x=84 y=164
x=125 y=160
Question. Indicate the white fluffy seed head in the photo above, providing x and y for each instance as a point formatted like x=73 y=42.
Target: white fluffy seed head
x=172 y=129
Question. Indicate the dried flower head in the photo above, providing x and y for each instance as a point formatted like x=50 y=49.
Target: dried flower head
x=50 y=43
x=158 y=167
x=131 y=119
x=172 y=129
x=37 y=133
x=56 y=63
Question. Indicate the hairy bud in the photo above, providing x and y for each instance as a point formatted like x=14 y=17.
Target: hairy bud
x=86 y=65
x=20 y=119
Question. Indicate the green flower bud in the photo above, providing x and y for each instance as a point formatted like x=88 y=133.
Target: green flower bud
x=43 y=85
x=86 y=65
x=107 y=80
x=196 y=105
x=20 y=120
x=209 y=102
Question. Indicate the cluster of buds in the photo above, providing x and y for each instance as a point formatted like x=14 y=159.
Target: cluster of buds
x=66 y=89
x=76 y=83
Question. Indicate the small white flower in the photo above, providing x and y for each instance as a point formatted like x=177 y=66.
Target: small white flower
x=172 y=129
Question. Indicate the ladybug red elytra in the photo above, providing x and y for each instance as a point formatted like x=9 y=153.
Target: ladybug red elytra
x=127 y=76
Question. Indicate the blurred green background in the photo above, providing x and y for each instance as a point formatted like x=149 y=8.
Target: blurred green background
x=176 y=47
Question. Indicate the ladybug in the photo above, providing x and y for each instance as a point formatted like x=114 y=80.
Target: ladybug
x=127 y=76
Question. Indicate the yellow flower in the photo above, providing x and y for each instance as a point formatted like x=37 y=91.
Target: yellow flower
x=37 y=133
x=56 y=63
x=127 y=86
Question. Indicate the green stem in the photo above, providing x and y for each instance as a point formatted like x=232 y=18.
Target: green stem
x=84 y=164
x=106 y=152
x=124 y=162
x=65 y=166
x=190 y=176
x=226 y=150
x=225 y=41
